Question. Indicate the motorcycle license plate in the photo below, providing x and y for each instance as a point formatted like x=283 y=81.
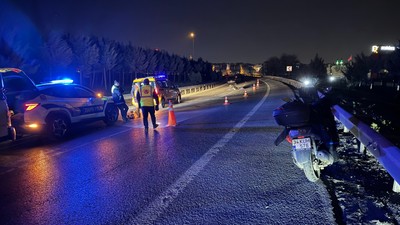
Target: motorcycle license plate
x=301 y=144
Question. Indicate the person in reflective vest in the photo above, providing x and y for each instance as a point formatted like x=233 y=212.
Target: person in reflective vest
x=146 y=97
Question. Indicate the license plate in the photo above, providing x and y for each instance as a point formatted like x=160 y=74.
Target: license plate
x=301 y=144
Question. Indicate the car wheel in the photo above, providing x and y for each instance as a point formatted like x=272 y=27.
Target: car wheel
x=58 y=125
x=111 y=114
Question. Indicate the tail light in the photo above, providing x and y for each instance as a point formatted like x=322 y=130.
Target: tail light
x=156 y=90
x=289 y=139
x=31 y=106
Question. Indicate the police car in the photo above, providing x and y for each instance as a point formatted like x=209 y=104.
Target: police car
x=165 y=89
x=60 y=104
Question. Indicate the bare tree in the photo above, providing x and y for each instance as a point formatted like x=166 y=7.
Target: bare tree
x=86 y=56
x=56 y=53
x=108 y=59
x=140 y=62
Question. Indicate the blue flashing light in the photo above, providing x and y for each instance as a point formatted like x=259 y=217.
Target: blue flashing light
x=63 y=81
x=160 y=76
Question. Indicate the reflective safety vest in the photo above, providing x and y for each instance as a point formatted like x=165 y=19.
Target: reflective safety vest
x=146 y=96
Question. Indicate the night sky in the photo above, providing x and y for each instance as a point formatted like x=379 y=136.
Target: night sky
x=226 y=30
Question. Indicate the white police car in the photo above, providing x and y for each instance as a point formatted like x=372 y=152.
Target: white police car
x=61 y=104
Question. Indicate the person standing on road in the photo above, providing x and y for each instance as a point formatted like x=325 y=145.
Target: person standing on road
x=118 y=98
x=145 y=97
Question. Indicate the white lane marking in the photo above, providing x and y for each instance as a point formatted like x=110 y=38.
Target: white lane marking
x=158 y=205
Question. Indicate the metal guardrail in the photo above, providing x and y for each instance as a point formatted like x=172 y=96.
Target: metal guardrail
x=196 y=88
x=384 y=151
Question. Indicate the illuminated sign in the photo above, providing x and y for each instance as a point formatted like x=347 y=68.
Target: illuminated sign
x=377 y=48
x=388 y=48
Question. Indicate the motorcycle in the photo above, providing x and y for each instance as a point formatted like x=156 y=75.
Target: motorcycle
x=310 y=128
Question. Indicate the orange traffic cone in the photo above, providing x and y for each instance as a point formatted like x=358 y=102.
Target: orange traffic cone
x=226 y=101
x=245 y=94
x=171 y=115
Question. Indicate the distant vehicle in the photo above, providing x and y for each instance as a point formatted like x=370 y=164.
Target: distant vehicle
x=61 y=103
x=16 y=87
x=165 y=89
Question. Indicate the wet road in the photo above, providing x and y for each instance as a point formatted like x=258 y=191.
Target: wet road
x=217 y=166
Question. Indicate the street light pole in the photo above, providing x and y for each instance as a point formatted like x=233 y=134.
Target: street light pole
x=192 y=36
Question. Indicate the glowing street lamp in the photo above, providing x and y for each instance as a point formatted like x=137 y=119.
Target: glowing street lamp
x=192 y=37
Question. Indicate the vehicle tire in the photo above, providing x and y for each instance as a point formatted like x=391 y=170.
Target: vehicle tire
x=58 y=125
x=111 y=114
x=12 y=133
x=163 y=103
x=312 y=170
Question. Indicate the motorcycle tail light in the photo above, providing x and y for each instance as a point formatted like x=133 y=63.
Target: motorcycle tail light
x=31 y=106
x=289 y=139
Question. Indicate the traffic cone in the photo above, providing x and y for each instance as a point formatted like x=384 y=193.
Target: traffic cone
x=245 y=94
x=171 y=115
x=226 y=101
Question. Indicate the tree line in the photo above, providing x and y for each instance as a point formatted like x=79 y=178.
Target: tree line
x=382 y=66
x=278 y=66
x=96 y=62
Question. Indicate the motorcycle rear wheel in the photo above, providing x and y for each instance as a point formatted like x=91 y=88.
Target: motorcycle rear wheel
x=312 y=170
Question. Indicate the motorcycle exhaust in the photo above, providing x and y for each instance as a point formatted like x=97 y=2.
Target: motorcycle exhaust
x=325 y=157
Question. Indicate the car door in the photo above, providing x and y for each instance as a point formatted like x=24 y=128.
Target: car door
x=89 y=105
x=173 y=90
x=17 y=88
x=80 y=102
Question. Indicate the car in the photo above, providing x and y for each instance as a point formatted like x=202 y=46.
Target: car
x=61 y=104
x=16 y=88
x=165 y=89
x=6 y=130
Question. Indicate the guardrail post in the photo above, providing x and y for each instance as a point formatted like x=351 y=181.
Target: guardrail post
x=346 y=130
x=361 y=148
x=396 y=187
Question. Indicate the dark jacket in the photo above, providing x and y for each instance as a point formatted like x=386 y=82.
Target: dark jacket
x=117 y=96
